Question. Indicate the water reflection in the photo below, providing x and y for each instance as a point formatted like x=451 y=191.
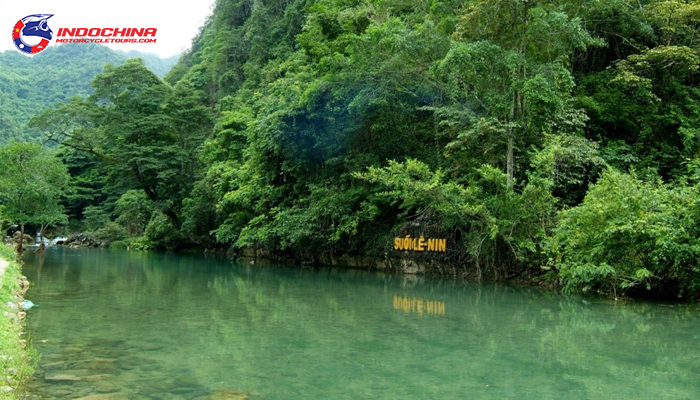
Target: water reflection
x=418 y=305
x=163 y=326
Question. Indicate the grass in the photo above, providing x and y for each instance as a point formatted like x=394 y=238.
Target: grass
x=17 y=358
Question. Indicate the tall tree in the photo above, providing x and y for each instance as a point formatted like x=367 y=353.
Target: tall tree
x=509 y=77
x=63 y=71
x=32 y=184
x=145 y=132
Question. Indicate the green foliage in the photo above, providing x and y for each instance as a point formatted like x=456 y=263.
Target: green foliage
x=134 y=210
x=110 y=232
x=159 y=66
x=492 y=227
x=308 y=126
x=645 y=98
x=29 y=86
x=571 y=163
x=88 y=181
x=118 y=245
x=160 y=233
x=7 y=253
x=18 y=361
x=141 y=133
x=630 y=233
x=32 y=184
x=509 y=80
x=95 y=218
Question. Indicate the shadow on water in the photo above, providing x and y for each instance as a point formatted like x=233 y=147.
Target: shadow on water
x=161 y=326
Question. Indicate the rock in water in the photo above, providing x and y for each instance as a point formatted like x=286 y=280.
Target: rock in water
x=226 y=394
x=61 y=377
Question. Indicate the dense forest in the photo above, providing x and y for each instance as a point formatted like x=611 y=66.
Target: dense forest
x=31 y=85
x=553 y=140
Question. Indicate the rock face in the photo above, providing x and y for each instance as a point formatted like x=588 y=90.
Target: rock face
x=24 y=285
x=81 y=240
x=404 y=265
x=27 y=238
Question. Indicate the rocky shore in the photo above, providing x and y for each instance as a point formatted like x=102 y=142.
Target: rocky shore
x=80 y=240
x=16 y=357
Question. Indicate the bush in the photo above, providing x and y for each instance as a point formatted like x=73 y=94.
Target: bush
x=630 y=234
x=118 y=245
x=134 y=210
x=161 y=234
x=110 y=232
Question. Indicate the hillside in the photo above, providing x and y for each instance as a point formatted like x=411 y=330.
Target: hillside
x=29 y=85
x=523 y=137
x=159 y=66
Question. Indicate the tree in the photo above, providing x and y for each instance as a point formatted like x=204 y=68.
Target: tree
x=641 y=90
x=32 y=183
x=145 y=133
x=64 y=71
x=509 y=78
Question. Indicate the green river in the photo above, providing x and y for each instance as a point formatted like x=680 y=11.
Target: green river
x=142 y=325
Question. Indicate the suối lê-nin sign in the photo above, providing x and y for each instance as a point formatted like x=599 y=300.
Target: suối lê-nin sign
x=409 y=243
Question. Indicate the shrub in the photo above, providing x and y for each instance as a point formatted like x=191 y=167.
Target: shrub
x=627 y=234
x=161 y=234
x=118 y=245
x=110 y=232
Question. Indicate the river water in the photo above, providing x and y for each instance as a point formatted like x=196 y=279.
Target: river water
x=141 y=325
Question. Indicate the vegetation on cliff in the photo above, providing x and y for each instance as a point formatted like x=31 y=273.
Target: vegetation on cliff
x=30 y=85
x=530 y=134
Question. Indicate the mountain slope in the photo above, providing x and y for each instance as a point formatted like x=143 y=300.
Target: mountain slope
x=29 y=85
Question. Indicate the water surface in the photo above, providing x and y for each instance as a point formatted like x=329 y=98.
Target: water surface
x=140 y=325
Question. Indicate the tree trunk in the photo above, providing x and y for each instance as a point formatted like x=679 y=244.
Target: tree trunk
x=20 y=244
x=509 y=161
x=509 y=150
x=41 y=239
x=172 y=216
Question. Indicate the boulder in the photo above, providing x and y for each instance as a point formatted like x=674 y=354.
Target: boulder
x=59 y=377
x=81 y=240
x=27 y=238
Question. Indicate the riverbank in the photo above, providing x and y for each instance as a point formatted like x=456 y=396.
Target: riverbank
x=16 y=356
x=402 y=263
